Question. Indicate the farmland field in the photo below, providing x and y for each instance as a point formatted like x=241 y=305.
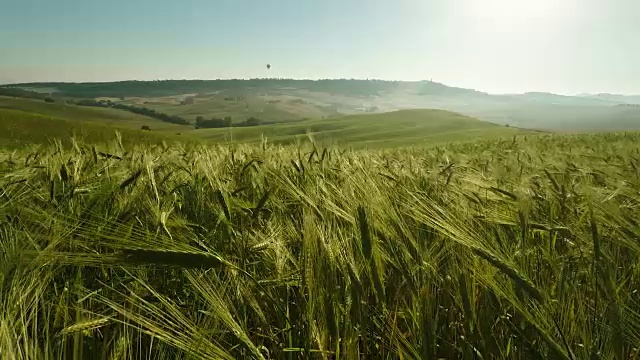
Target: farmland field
x=35 y=122
x=268 y=108
x=517 y=248
x=385 y=130
x=94 y=115
x=20 y=128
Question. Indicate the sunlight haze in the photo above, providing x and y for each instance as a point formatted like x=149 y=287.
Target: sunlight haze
x=498 y=46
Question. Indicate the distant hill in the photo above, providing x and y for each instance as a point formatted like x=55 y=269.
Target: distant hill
x=614 y=98
x=28 y=121
x=562 y=117
x=554 y=99
x=176 y=87
x=286 y=100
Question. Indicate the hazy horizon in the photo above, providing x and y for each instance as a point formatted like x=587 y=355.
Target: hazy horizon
x=309 y=79
x=497 y=46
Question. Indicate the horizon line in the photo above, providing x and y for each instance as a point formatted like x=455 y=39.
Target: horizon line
x=311 y=79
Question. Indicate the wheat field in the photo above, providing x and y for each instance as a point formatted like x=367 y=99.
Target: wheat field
x=517 y=248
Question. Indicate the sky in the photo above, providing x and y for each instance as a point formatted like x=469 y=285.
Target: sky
x=498 y=46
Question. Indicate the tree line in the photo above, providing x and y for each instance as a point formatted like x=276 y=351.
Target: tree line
x=21 y=93
x=214 y=123
x=200 y=123
x=174 y=119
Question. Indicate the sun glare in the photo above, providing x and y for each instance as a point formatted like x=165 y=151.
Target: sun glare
x=518 y=12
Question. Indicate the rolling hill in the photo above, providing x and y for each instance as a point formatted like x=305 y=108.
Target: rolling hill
x=19 y=128
x=614 y=98
x=285 y=100
x=392 y=129
x=268 y=108
x=27 y=121
x=104 y=116
x=24 y=121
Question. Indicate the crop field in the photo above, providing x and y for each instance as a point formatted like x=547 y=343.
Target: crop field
x=267 y=108
x=36 y=122
x=519 y=248
x=91 y=115
x=385 y=130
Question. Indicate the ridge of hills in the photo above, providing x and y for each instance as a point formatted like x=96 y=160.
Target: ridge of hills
x=284 y=100
x=34 y=121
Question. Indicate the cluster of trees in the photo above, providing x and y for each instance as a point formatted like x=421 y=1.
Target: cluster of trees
x=202 y=123
x=251 y=122
x=136 y=110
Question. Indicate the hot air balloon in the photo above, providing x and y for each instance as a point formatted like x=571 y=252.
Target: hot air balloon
x=268 y=66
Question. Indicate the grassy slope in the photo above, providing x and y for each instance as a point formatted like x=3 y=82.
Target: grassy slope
x=524 y=249
x=399 y=128
x=18 y=128
x=113 y=117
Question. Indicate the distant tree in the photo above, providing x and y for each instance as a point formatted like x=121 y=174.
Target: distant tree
x=20 y=93
x=136 y=110
x=202 y=123
x=199 y=122
x=253 y=121
x=177 y=120
x=145 y=127
x=216 y=123
x=49 y=100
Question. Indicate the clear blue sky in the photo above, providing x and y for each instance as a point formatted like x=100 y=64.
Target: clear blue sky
x=563 y=46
